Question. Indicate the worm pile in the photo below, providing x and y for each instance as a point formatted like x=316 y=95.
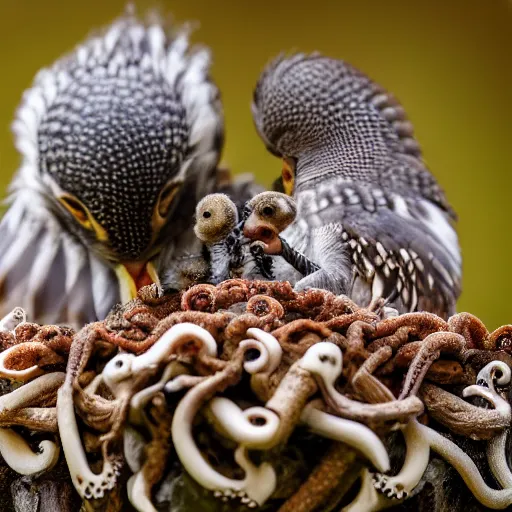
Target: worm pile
x=250 y=396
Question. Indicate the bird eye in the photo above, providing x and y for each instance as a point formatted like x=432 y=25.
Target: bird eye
x=268 y=211
x=207 y=215
x=77 y=209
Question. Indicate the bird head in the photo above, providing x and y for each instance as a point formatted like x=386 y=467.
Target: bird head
x=216 y=217
x=269 y=213
x=116 y=135
x=326 y=119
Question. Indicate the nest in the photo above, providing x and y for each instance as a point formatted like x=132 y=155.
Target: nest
x=249 y=395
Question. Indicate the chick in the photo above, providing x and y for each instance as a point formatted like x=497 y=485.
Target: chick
x=216 y=219
x=187 y=263
x=268 y=214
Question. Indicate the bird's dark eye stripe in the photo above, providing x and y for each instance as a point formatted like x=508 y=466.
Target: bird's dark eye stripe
x=207 y=215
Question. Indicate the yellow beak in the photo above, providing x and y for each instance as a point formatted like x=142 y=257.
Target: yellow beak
x=288 y=174
x=132 y=276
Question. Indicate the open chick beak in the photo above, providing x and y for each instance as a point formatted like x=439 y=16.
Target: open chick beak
x=265 y=232
x=133 y=275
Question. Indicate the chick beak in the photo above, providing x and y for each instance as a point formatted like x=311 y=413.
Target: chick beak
x=255 y=229
x=133 y=275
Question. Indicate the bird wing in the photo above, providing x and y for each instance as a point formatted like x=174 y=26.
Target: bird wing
x=404 y=248
x=47 y=272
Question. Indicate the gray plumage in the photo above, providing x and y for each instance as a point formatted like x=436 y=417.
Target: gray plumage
x=297 y=260
x=370 y=214
x=119 y=140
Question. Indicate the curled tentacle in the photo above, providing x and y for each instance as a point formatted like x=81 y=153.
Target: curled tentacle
x=200 y=297
x=10 y=321
x=500 y=339
x=25 y=361
x=237 y=328
x=336 y=305
x=429 y=351
x=214 y=323
x=350 y=432
x=18 y=455
x=142 y=397
x=460 y=416
x=474 y=331
x=124 y=366
x=87 y=483
x=33 y=393
x=325 y=361
x=366 y=385
x=340 y=323
x=289 y=332
x=281 y=290
x=255 y=427
x=379 y=491
x=270 y=352
x=263 y=306
x=230 y=292
x=23 y=405
x=496 y=447
x=462 y=462
x=259 y=482
x=420 y=325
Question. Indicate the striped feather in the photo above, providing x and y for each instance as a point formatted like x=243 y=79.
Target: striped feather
x=49 y=273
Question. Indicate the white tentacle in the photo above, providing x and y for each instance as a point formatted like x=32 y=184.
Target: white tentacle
x=259 y=482
x=496 y=447
x=355 y=434
x=18 y=455
x=255 y=427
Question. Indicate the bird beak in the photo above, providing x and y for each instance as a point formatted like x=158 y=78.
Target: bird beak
x=288 y=175
x=133 y=275
x=255 y=229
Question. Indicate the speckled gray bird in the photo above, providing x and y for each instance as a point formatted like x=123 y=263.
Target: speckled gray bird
x=370 y=213
x=119 y=140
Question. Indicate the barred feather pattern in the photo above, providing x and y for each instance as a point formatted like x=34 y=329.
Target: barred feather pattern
x=302 y=264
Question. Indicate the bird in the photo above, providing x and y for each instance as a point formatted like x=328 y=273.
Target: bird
x=217 y=233
x=119 y=140
x=268 y=214
x=216 y=218
x=219 y=226
x=369 y=211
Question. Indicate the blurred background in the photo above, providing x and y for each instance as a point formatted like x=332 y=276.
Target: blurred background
x=449 y=63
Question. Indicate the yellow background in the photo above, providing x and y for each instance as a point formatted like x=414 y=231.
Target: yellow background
x=448 y=61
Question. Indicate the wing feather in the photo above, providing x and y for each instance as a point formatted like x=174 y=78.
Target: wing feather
x=47 y=272
x=401 y=248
